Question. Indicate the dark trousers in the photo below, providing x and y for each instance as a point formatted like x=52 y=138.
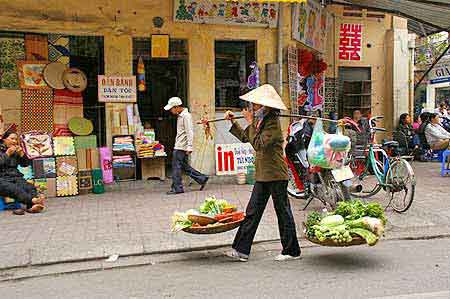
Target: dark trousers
x=18 y=189
x=180 y=164
x=255 y=209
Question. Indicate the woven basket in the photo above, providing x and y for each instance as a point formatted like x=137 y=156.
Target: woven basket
x=357 y=240
x=213 y=229
x=328 y=242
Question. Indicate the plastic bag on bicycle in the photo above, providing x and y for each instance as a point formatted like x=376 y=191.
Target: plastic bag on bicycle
x=327 y=150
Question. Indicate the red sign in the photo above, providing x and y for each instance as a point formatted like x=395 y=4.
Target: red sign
x=350 y=42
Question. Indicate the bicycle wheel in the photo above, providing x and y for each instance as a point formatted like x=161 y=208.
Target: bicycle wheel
x=400 y=185
x=292 y=188
x=368 y=182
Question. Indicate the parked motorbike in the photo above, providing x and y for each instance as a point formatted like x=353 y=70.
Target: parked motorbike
x=306 y=182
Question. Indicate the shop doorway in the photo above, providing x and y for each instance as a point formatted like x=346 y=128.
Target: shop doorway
x=164 y=78
x=86 y=54
x=355 y=86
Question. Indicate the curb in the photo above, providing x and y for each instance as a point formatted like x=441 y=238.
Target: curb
x=96 y=263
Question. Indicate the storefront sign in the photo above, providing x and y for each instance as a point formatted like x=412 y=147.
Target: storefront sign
x=440 y=73
x=350 y=42
x=233 y=158
x=117 y=89
x=250 y=13
x=310 y=23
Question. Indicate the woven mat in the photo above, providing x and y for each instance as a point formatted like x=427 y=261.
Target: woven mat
x=67 y=104
x=36 y=47
x=58 y=48
x=66 y=185
x=63 y=146
x=67 y=165
x=11 y=50
x=37 y=110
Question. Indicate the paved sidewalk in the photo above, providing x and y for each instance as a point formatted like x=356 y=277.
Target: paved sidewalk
x=136 y=220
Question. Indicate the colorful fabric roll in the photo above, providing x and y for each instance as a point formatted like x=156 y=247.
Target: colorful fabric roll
x=106 y=165
x=97 y=179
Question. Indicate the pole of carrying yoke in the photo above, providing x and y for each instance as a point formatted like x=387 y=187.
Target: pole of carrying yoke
x=432 y=66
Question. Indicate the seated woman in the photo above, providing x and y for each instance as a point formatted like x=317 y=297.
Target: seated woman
x=12 y=183
x=417 y=122
x=406 y=129
x=437 y=137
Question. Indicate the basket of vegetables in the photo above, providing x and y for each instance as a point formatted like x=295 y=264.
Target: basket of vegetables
x=352 y=223
x=213 y=216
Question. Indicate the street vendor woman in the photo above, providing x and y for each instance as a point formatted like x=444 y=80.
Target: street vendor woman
x=12 y=183
x=265 y=135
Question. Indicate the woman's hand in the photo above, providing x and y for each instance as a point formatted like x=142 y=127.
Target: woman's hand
x=11 y=150
x=247 y=115
x=19 y=150
x=229 y=116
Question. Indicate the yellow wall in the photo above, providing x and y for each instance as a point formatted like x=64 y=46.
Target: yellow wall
x=101 y=17
x=119 y=21
x=379 y=57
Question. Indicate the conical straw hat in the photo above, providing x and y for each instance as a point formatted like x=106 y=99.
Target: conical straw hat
x=265 y=95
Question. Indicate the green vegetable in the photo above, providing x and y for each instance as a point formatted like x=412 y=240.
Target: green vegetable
x=374 y=225
x=212 y=206
x=332 y=220
x=352 y=210
x=339 y=233
x=180 y=221
x=313 y=219
x=376 y=211
x=370 y=237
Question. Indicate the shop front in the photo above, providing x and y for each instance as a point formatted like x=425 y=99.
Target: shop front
x=206 y=65
x=438 y=87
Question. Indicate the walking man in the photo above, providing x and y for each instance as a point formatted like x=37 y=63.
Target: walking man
x=183 y=147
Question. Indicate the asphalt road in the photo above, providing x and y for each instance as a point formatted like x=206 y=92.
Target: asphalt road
x=391 y=269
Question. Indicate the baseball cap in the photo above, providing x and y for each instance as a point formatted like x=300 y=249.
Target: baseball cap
x=173 y=102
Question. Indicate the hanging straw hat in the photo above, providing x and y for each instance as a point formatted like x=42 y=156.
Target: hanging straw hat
x=53 y=75
x=74 y=80
x=265 y=95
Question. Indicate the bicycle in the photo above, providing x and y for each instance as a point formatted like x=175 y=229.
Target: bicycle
x=394 y=174
x=309 y=183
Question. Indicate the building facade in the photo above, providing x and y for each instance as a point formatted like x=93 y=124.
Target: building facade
x=208 y=63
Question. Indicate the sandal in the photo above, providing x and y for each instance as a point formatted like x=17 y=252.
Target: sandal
x=38 y=200
x=37 y=208
x=18 y=211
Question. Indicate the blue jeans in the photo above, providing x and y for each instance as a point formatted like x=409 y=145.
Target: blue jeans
x=180 y=164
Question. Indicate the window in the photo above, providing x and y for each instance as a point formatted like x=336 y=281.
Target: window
x=232 y=68
x=355 y=90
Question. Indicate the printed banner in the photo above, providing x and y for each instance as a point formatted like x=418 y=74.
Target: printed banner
x=117 y=89
x=440 y=73
x=233 y=158
x=250 y=13
x=310 y=24
x=350 y=42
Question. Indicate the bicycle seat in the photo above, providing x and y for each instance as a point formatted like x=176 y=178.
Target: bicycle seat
x=391 y=143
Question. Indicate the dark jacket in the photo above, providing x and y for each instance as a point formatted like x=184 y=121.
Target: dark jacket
x=268 y=142
x=8 y=164
x=407 y=130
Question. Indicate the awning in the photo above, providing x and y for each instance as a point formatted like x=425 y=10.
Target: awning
x=424 y=16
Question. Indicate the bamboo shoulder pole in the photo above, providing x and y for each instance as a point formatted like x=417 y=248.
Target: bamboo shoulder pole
x=204 y=121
